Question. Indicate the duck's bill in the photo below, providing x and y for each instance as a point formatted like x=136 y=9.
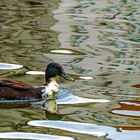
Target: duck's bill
x=67 y=77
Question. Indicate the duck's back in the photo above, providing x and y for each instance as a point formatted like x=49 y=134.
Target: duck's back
x=17 y=90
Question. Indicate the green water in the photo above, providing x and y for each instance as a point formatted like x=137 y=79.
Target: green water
x=98 y=39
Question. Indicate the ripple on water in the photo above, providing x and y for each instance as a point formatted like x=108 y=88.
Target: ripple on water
x=128 y=108
x=7 y=66
x=66 y=51
x=84 y=128
x=63 y=55
x=65 y=97
x=87 y=128
x=76 y=26
x=35 y=72
x=32 y=136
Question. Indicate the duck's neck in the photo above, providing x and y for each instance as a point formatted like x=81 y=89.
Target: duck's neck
x=52 y=80
x=51 y=88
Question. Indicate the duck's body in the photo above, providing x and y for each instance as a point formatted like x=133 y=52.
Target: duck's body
x=17 y=90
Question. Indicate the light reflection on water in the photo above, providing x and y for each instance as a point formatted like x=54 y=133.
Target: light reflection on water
x=31 y=136
x=97 y=42
x=127 y=112
x=90 y=129
x=128 y=108
x=6 y=66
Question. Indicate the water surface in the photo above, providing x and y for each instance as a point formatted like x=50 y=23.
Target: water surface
x=97 y=42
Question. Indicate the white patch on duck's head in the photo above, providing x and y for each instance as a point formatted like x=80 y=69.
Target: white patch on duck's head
x=51 y=89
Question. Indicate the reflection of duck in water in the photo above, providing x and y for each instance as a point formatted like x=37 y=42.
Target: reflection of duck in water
x=17 y=90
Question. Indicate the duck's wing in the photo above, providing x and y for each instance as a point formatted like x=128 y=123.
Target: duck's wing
x=136 y=85
x=15 y=84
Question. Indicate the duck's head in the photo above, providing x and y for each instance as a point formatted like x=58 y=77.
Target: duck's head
x=55 y=69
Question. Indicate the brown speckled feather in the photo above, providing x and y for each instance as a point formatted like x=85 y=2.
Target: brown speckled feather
x=136 y=85
x=10 y=89
x=15 y=84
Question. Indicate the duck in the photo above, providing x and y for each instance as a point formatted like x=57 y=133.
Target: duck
x=136 y=85
x=18 y=90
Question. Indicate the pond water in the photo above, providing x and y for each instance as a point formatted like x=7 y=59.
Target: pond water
x=98 y=44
